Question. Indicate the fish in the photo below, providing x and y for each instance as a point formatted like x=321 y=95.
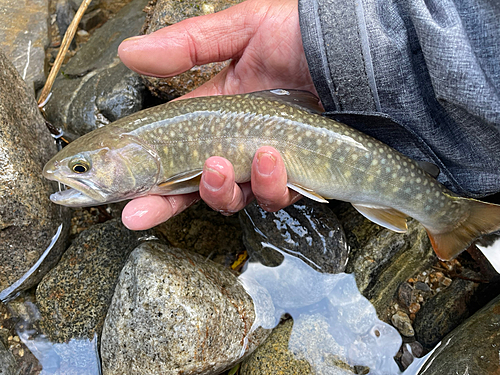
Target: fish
x=161 y=150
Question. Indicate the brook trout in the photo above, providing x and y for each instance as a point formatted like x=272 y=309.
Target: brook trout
x=162 y=150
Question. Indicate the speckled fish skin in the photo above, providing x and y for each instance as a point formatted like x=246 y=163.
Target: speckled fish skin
x=162 y=150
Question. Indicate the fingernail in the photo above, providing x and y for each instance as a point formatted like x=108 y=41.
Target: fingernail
x=265 y=163
x=132 y=38
x=213 y=179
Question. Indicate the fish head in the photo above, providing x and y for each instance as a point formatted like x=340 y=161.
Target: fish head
x=102 y=168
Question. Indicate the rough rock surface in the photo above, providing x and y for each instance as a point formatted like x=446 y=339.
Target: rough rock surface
x=164 y=13
x=306 y=229
x=472 y=348
x=7 y=362
x=273 y=357
x=24 y=37
x=73 y=297
x=382 y=259
x=206 y=232
x=94 y=87
x=28 y=220
x=175 y=312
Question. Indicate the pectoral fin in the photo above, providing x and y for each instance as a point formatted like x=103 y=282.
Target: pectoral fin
x=184 y=182
x=384 y=216
x=307 y=192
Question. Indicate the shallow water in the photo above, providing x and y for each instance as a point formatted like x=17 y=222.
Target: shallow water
x=332 y=322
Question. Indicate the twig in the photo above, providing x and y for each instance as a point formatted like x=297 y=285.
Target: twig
x=68 y=37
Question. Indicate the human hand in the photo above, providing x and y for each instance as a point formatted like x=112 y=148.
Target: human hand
x=262 y=37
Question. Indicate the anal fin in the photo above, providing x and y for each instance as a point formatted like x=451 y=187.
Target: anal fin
x=384 y=216
x=307 y=192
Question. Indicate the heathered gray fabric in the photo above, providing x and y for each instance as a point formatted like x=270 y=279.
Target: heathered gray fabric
x=433 y=66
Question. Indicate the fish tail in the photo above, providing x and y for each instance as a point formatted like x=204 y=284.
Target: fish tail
x=482 y=218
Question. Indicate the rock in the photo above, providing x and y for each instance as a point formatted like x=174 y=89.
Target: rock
x=7 y=362
x=472 y=348
x=164 y=13
x=74 y=297
x=274 y=357
x=442 y=313
x=64 y=16
x=92 y=19
x=24 y=36
x=306 y=229
x=95 y=88
x=176 y=312
x=28 y=219
x=402 y=322
x=382 y=259
x=206 y=232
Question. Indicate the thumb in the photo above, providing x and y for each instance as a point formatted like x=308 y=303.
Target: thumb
x=195 y=41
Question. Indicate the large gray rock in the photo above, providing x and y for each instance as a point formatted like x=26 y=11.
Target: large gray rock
x=94 y=87
x=24 y=37
x=28 y=219
x=73 y=298
x=472 y=348
x=306 y=229
x=176 y=312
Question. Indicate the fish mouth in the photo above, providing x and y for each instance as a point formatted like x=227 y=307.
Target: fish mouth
x=82 y=193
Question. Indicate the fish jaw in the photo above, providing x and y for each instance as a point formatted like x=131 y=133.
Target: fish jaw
x=82 y=192
x=73 y=198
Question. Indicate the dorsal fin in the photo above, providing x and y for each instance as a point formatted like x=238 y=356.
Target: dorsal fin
x=429 y=167
x=384 y=216
x=297 y=98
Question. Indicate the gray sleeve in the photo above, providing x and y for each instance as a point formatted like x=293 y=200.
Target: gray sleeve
x=433 y=66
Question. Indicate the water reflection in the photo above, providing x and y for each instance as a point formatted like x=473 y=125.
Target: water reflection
x=333 y=322
x=77 y=357
x=10 y=292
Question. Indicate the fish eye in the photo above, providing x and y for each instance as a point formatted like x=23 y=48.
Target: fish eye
x=79 y=166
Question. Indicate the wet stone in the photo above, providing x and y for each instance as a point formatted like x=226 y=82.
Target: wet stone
x=306 y=229
x=164 y=13
x=74 y=297
x=7 y=362
x=382 y=259
x=206 y=232
x=472 y=348
x=24 y=36
x=274 y=357
x=94 y=87
x=175 y=312
x=445 y=311
x=405 y=294
x=28 y=219
x=402 y=322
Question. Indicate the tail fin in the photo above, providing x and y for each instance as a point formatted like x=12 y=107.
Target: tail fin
x=483 y=218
